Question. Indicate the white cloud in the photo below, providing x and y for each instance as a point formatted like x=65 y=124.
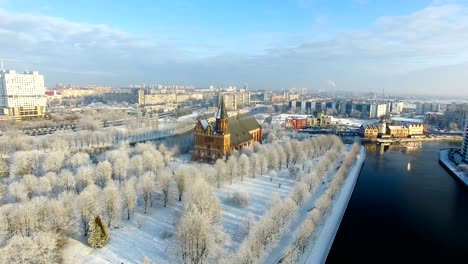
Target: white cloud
x=393 y=46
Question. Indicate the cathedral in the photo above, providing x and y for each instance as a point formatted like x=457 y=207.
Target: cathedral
x=218 y=140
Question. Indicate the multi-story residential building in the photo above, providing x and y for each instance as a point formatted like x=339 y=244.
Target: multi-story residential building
x=456 y=113
x=423 y=108
x=234 y=100
x=22 y=95
x=465 y=143
x=396 y=107
x=378 y=110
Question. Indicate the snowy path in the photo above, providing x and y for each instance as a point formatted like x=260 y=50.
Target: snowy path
x=288 y=236
x=319 y=246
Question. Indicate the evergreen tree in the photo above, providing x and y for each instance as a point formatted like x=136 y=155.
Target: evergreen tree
x=99 y=233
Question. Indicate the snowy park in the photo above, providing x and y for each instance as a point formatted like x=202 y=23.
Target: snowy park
x=267 y=203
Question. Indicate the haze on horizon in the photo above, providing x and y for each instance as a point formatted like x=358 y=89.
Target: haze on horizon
x=401 y=46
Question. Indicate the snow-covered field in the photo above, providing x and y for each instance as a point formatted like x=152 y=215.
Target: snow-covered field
x=153 y=235
x=155 y=238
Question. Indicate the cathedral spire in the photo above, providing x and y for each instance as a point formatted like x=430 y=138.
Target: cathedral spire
x=221 y=118
x=221 y=110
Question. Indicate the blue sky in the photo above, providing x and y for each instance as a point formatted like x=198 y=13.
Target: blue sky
x=360 y=44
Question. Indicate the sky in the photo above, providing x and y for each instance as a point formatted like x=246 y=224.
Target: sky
x=402 y=46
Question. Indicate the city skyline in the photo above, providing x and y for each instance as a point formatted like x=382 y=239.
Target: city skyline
x=418 y=47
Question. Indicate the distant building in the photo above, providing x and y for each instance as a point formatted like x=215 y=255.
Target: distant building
x=213 y=141
x=234 y=100
x=415 y=129
x=53 y=97
x=456 y=113
x=369 y=131
x=22 y=95
x=296 y=122
x=396 y=107
x=423 y=108
x=465 y=143
x=397 y=131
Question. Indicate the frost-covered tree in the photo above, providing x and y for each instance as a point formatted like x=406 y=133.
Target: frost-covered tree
x=84 y=177
x=4 y=169
x=40 y=248
x=254 y=164
x=87 y=206
x=103 y=173
x=30 y=185
x=112 y=202
x=136 y=165
x=220 y=167
x=60 y=215
x=165 y=179
x=180 y=177
x=53 y=161
x=231 y=167
x=199 y=240
x=67 y=180
x=153 y=160
x=77 y=160
x=17 y=191
x=300 y=193
x=129 y=196
x=147 y=186
x=294 y=172
x=25 y=162
x=120 y=168
x=244 y=166
x=273 y=160
x=200 y=197
x=99 y=233
x=263 y=164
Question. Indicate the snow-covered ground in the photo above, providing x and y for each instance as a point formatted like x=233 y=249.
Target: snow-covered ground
x=153 y=234
x=407 y=119
x=443 y=157
x=353 y=121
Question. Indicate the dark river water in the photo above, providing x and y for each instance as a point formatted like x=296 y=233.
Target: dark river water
x=405 y=209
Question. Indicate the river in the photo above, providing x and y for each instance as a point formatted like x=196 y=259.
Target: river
x=405 y=208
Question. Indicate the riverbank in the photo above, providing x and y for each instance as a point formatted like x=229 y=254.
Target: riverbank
x=318 y=249
x=445 y=161
x=423 y=139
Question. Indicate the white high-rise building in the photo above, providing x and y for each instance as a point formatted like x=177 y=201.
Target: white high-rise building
x=22 y=95
x=465 y=142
